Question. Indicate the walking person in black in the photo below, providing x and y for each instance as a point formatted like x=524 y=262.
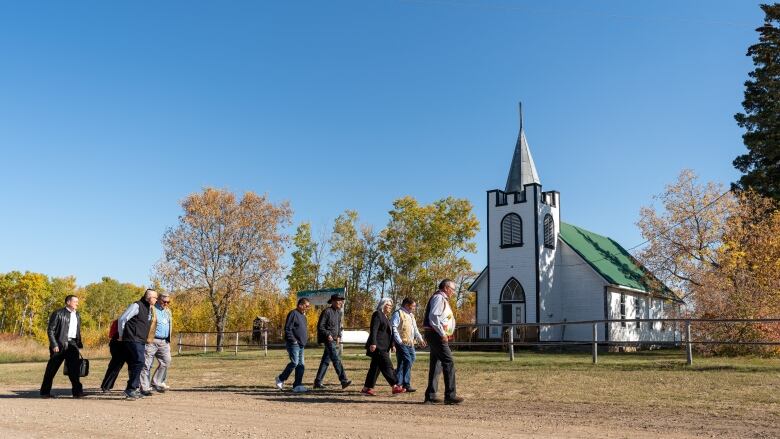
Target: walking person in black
x=136 y=325
x=380 y=340
x=64 y=331
x=118 y=357
x=438 y=326
x=329 y=335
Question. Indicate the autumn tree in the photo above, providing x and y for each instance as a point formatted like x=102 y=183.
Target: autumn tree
x=423 y=244
x=761 y=119
x=107 y=299
x=746 y=283
x=353 y=265
x=683 y=237
x=224 y=248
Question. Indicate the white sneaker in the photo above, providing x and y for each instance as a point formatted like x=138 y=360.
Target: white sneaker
x=300 y=389
x=279 y=384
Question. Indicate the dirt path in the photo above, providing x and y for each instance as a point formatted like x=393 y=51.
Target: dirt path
x=264 y=412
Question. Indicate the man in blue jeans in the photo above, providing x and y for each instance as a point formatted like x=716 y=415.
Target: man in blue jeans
x=296 y=334
x=329 y=334
x=405 y=334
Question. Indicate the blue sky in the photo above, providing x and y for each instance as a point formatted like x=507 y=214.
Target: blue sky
x=112 y=112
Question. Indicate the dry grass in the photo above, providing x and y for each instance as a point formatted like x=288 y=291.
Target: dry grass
x=655 y=393
x=647 y=381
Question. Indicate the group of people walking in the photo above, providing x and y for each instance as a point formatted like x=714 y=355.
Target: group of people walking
x=139 y=336
x=389 y=330
x=143 y=333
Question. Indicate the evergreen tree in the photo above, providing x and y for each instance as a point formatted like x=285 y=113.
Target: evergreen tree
x=761 y=119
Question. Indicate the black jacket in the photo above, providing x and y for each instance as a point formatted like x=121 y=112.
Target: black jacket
x=329 y=324
x=138 y=327
x=380 y=333
x=59 y=321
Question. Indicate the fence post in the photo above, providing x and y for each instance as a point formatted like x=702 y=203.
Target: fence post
x=265 y=342
x=204 y=341
x=180 y=343
x=595 y=343
x=511 y=343
x=689 y=347
x=236 y=343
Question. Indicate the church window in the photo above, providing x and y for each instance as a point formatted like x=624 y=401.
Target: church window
x=623 y=310
x=549 y=231
x=638 y=311
x=511 y=231
x=512 y=292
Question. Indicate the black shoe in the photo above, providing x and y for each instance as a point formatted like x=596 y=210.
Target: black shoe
x=105 y=390
x=146 y=393
x=345 y=384
x=320 y=386
x=453 y=400
x=79 y=395
x=132 y=395
x=410 y=389
x=432 y=401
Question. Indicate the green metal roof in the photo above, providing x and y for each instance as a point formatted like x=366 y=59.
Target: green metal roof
x=610 y=260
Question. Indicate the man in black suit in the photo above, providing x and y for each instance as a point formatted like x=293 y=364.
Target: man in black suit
x=64 y=333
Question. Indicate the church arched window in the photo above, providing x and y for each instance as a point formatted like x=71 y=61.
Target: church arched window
x=511 y=231
x=513 y=291
x=549 y=231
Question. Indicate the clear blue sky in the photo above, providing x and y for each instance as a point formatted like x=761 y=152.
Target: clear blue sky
x=112 y=112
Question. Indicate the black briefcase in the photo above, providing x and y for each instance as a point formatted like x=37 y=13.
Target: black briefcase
x=83 y=367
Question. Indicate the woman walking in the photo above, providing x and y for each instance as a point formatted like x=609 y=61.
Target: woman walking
x=380 y=340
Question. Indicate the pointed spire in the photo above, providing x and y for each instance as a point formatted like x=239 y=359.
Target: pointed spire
x=523 y=170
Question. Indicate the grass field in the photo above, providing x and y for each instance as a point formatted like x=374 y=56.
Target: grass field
x=646 y=394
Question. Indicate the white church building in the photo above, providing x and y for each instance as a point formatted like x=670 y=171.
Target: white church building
x=540 y=269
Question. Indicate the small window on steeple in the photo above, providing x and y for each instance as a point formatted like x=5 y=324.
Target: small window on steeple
x=549 y=231
x=511 y=231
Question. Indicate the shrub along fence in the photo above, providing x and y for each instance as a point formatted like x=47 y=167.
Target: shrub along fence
x=614 y=335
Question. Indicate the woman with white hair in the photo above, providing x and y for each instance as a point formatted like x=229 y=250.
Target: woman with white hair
x=380 y=340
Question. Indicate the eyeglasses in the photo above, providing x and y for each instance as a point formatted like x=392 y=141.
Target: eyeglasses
x=165 y=302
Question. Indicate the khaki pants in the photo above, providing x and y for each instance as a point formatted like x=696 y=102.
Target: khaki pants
x=161 y=350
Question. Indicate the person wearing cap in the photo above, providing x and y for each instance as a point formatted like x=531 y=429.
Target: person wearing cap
x=136 y=327
x=296 y=334
x=329 y=335
x=438 y=326
x=159 y=347
x=380 y=340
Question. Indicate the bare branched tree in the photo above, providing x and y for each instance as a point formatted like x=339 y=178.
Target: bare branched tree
x=224 y=248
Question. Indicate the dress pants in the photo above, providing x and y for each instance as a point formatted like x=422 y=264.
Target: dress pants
x=380 y=362
x=70 y=355
x=441 y=359
x=118 y=360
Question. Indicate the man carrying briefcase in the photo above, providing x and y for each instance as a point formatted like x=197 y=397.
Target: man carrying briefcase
x=64 y=333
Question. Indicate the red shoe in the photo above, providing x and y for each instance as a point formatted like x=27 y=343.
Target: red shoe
x=367 y=391
x=398 y=389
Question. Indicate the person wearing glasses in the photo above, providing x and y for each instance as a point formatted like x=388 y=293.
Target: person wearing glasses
x=296 y=334
x=160 y=348
x=439 y=325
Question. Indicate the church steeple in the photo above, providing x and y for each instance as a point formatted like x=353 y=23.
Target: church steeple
x=522 y=171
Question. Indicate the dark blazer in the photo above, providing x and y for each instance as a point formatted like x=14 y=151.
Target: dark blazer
x=57 y=330
x=380 y=333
